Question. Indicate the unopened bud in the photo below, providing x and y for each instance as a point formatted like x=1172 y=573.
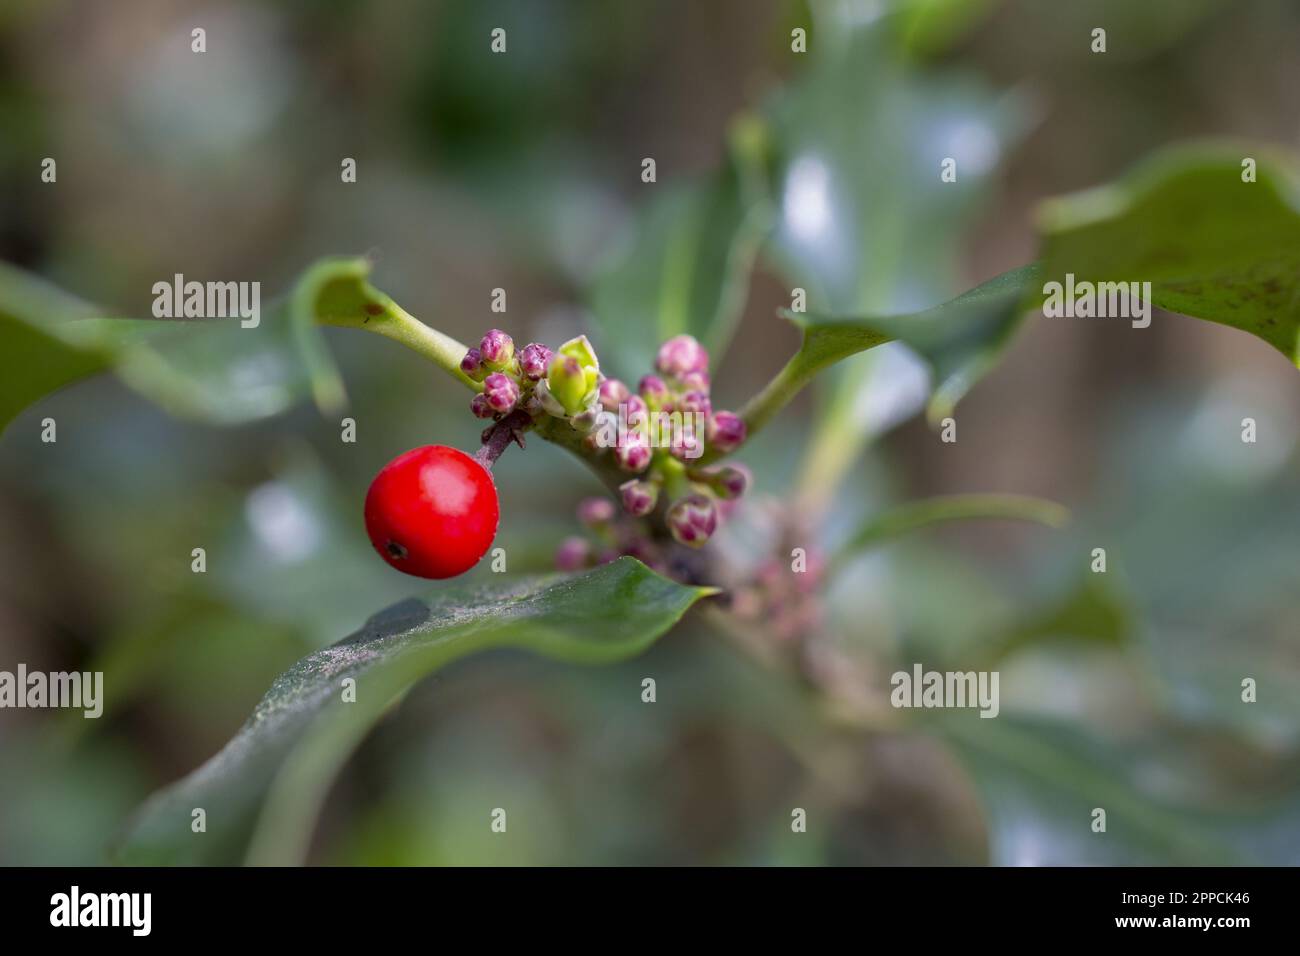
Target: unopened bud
x=501 y=392
x=595 y=512
x=727 y=481
x=686 y=441
x=579 y=348
x=636 y=411
x=680 y=356
x=567 y=383
x=497 y=350
x=692 y=520
x=639 y=497
x=654 y=392
x=726 y=431
x=694 y=401
x=534 y=361
x=573 y=554
x=633 y=453
x=550 y=404
x=613 y=393
x=695 y=382
x=480 y=407
x=472 y=365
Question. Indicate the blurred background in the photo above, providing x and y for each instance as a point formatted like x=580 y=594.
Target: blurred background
x=522 y=172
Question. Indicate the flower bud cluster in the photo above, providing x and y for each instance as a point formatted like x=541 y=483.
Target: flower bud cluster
x=654 y=433
x=678 y=392
x=611 y=535
x=784 y=600
x=533 y=378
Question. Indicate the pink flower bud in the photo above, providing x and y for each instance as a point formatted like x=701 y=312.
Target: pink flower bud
x=692 y=520
x=501 y=392
x=636 y=411
x=472 y=365
x=680 y=356
x=727 y=481
x=726 y=431
x=639 y=497
x=694 y=401
x=687 y=442
x=497 y=349
x=696 y=382
x=613 y=393
x=732 y=481
x=480 y=407
x=634 y=453
x=534 y=360
x=573 y=554
x=595 y=512
x=654 y=391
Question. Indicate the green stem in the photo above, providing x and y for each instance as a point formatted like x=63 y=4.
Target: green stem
x=396 y=323
x=676 y=484
x=778 y=393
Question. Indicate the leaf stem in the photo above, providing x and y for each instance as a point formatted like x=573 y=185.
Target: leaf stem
x=392 y=321
x=436 y=346
x=776 y=394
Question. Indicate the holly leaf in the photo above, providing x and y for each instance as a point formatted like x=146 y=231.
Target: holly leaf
x=959 y=340
x=208 y=370
x=262 y=792
x=1212 y=245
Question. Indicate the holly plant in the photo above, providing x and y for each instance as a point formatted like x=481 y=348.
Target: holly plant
x=687 y=520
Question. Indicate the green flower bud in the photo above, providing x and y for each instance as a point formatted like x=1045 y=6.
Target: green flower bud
x=566 y=382
x=580 y=348
x=547 y=401
x=581 y=351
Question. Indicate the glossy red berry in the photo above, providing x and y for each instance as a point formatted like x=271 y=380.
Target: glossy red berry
x=432 y=512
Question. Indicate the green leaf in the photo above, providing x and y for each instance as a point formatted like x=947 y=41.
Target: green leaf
x=929 y=27
x=39 y=349
x=1211 y=245
x=262 y=792
x=919 y=514
x=959 y=340
x=868 y=226
x=209 y=370
x=685 y=268
x=1041 y=780
x=1090 y=612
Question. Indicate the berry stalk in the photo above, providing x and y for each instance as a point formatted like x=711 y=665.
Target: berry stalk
x=498 y=436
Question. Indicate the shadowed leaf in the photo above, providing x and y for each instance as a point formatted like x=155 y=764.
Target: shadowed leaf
x=261 y=793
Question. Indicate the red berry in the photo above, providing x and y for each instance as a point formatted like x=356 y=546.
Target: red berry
x=432 y=512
